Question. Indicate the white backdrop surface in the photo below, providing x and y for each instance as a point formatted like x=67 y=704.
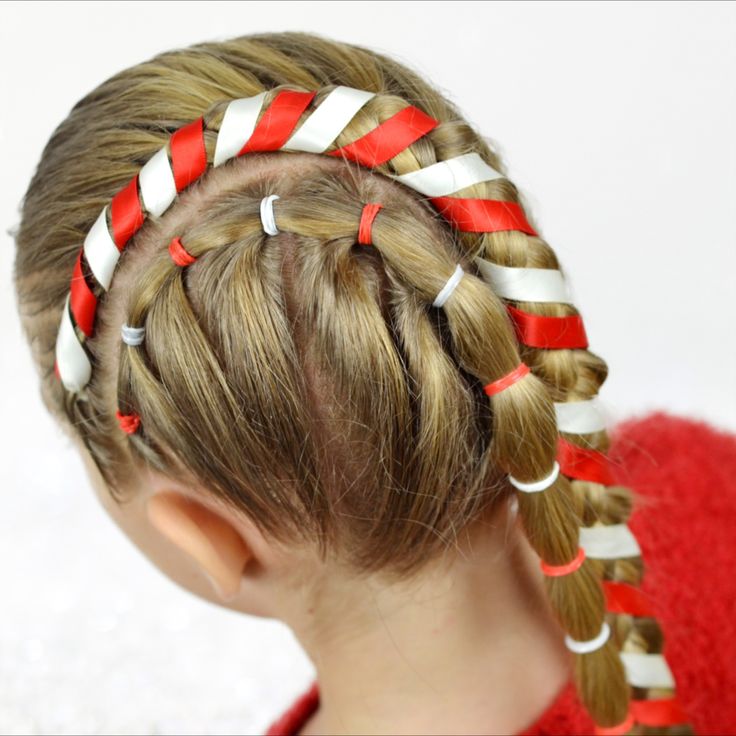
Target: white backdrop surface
x=616 y=120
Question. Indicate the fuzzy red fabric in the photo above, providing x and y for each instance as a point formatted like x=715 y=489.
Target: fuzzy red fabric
x=684 y=472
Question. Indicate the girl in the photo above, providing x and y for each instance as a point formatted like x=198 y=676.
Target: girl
x=322 y=366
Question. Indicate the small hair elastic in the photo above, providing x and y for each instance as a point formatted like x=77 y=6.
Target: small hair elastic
x=267 y=218
x=537 y=485
x=449 y=287
x=132 y=335
x=367 y=216
x=179 y=254
x=500 y=384
x=129 y=423
x=585 y=647
x=556 y=571
x=619 y=730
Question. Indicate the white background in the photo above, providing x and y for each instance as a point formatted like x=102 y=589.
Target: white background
x=618 y=122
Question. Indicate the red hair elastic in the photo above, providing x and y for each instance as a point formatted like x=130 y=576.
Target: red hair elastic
x=179 y=254
x=622 y=728
x=500 y=384
x=129 y=423
x=556 y=571
x=366 y=221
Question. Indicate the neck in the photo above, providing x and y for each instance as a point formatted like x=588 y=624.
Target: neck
x=470 y=646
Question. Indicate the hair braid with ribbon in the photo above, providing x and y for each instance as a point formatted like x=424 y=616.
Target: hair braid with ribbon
x=545 y=417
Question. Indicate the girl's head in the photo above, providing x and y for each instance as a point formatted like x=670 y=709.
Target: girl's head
x=281 y=370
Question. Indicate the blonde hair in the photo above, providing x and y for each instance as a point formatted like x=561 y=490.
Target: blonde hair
x=307 y=380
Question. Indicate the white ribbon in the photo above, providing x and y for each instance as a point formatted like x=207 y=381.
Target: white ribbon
x=100 y=250
x=447 y=177
x=328 y=120
x=647 y=670
x=74 y=366
x=156 y=179
x=237 y=126
x=609 y=542
x=525 y=284
x=580 y=417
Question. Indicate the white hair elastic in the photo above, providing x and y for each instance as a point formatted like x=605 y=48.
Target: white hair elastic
x=449 y=287
x=537 y=485
x=267 y=218
x=132 y=335
x=585 y=647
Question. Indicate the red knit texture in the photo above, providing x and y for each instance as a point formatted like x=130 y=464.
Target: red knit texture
x=684 y=472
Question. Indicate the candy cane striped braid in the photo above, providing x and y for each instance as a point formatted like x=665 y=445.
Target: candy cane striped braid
x=288 y=123
x=246 y=128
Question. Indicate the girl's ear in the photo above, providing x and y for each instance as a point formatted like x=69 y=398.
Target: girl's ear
x=210 y=539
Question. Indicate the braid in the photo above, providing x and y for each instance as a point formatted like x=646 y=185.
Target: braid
x=444 y=357
x=574 y=375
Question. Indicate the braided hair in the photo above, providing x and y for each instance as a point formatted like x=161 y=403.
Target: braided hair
x=268 y=353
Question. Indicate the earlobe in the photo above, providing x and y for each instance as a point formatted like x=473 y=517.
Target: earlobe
x=207 y=537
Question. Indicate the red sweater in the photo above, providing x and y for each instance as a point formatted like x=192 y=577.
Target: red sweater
x=686 y=469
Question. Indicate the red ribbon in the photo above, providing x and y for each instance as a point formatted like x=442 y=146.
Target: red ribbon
x=482 y=215
x=389 y=138
x=554 y=333
x=188 y=154
x=126 y=214
x=583 y=464
x=82 y=301
x=663 y=712
x=505 y=381
x=625 y=598
x=278 y=121
x=656 y=713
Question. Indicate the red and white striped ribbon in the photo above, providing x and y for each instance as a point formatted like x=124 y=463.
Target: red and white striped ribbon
x=612 y=542
x=246 y=126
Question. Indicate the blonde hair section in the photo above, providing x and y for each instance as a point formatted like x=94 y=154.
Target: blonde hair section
x=304 y=378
